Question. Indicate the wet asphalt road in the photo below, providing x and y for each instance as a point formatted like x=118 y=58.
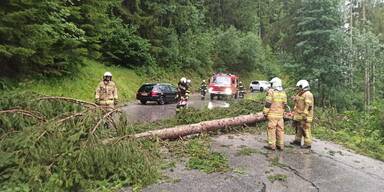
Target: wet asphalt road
x=137 y=112
x=327 y=167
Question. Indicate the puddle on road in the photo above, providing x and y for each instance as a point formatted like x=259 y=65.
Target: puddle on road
x=212 y=104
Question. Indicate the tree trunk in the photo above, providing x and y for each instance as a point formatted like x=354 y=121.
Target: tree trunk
x=205 y=126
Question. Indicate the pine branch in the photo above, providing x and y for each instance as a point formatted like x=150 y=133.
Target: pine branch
x=103 y=118
x=33 y=114
x=67 y=99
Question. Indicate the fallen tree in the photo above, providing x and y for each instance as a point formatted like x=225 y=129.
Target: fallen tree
x=205 y=126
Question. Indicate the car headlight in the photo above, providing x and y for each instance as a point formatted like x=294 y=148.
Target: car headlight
x=228 y=91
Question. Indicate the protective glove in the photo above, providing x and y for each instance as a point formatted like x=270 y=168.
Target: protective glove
x=115 y=102
x=97 y=101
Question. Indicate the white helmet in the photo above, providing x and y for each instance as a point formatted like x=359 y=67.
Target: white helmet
x=183 y=80
x=303 y=84
x=276 y=83
x=107 y=74
x=204 y=81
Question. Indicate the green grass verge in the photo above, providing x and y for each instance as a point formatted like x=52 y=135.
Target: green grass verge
x=359 y=131
x=83 y=84
x=369 y=146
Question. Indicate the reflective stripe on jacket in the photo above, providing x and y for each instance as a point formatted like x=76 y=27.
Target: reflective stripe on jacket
x=304 y=104
x=275 y=103
x=106 y=92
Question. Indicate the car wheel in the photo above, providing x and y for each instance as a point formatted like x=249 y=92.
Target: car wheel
x=161 y=101
x=261 y=89
x=143 y=102
x=251 y=89
x=212 y=96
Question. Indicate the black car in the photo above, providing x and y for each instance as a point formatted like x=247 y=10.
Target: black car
x=160 y=92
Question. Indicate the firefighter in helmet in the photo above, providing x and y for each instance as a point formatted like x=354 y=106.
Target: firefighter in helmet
x=106 y=92
x=303 y=114
x=275 y=105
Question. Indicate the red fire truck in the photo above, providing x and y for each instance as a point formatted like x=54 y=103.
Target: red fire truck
x=223 y=86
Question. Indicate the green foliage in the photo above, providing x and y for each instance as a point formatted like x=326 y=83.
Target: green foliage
x=121 y=46
x=277 y=177
x=83 y=84
x=52 y=155
x=203 y=159
x=39 y=37
x=359 y=131
x=246 y=151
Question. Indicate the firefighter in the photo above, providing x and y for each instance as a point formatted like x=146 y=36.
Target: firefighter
x=241 y=90
x=203 y=89
x=203 y=85
x=303 y=114
x=275 y=104
x=106 y=92
x=183 y=88
x=241 y=86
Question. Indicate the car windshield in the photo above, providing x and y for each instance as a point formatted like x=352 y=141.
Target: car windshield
x=222 y=80
x=146 y=88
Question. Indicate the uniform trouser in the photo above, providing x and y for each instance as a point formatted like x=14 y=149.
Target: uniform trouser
x=108 y=107
x=275 y=132
x=303 y=129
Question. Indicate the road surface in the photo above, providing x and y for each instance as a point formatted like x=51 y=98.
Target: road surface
x=327 y=167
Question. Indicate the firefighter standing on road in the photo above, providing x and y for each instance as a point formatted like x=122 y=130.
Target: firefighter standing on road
x=241 y=86
x=183 y=88
x=203 y=85
x=106 y=92
x=275 y=104
x=303 y=114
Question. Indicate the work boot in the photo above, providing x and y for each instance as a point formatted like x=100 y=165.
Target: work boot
x=305 y=146
x=280 y=148
x=272 y=148
x=298 y=143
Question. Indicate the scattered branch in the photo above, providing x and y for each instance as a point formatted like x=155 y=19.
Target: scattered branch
x=33 y=114
x=67 y=99
x=101 y=120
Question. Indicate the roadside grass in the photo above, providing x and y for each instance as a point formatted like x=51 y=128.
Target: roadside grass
x=247 y=151
x=354 y=130
x=368 y=146
x=202 y=158
x=83 y=84
x=277 y=177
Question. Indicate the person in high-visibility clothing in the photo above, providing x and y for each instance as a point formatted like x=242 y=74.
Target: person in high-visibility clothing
x=275 y=105
x=106 y=92
x=303 y=114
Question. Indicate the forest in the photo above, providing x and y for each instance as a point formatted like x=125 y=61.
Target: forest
x=337 y=45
